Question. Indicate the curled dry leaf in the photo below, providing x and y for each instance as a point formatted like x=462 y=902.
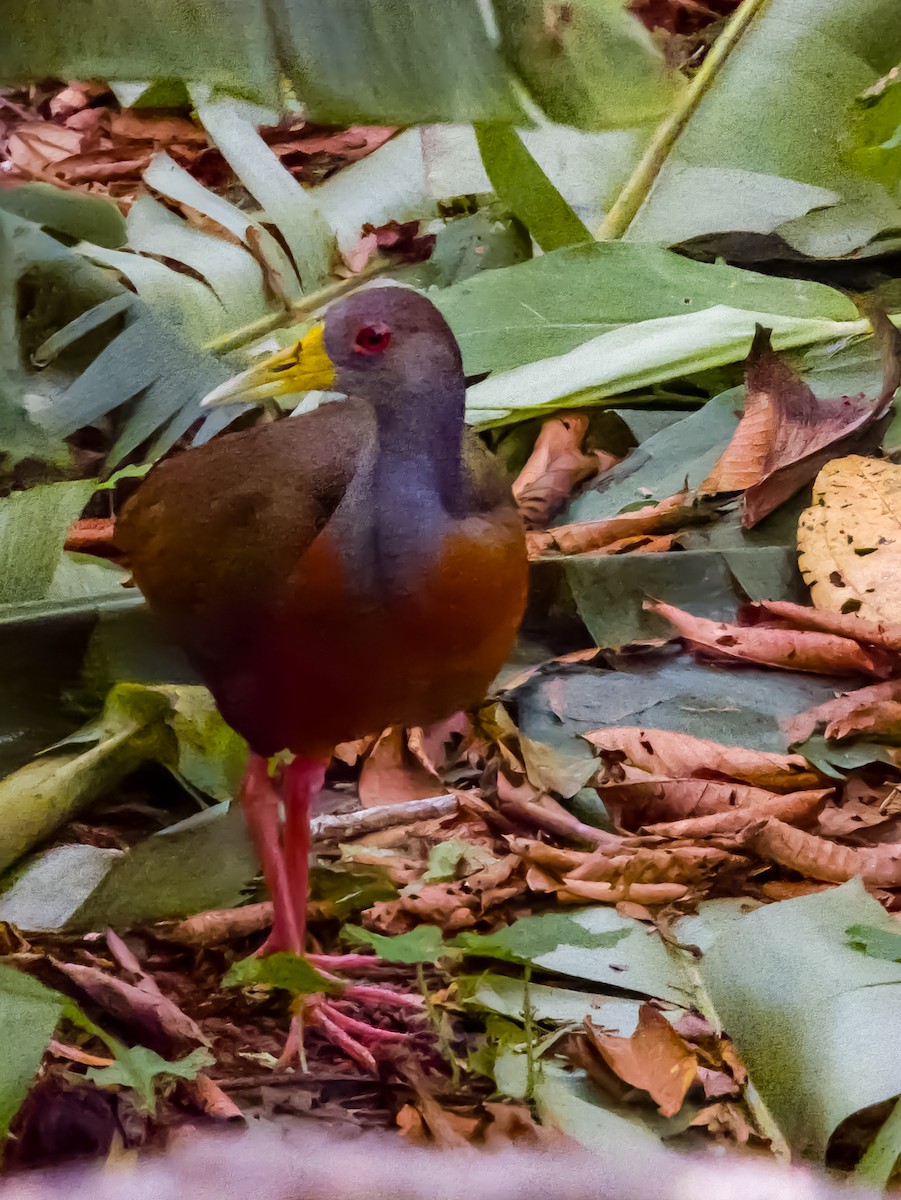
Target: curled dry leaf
x=583 y=537
x=790 y=649
x=786 y=434
x=881 y=722
x=556 y=466
x=655 y=1058
x=849 y=540
x=635 y=804
x=650 y=894
x=679 y=755
x=799 y=728
x=877 y=866
x=679 y=864
x=392 y=774
x=847 y=624
x=797 y=808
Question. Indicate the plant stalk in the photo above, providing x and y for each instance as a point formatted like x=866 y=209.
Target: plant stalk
x=642 y=179
x=296 y=312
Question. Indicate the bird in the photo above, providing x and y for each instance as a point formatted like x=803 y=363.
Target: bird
x=337 y=571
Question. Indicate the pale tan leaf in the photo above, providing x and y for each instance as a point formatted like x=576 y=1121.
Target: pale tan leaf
x=850 y=539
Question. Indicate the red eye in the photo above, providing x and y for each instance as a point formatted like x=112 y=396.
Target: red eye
x=373 y=339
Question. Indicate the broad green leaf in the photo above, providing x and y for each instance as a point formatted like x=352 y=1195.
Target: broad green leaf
x=593 y=944
x=289 y=972
x=29 y=1014
x=637 y=356
x=568 y=1102
x=140 y=1069
x=591 y=63
x=815 y=1021
x=509 y=997
x=543 y=308
x=72 y=213
x=521 y=184
x=33 y=528
x=876 y=941
x=424 y=944
x=672 y=692
x=711 y=200
x=742 y=123
x=206 y=861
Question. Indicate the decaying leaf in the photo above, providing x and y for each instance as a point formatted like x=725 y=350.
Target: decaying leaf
x=668 y=753
x=817 y=858
x=655 y=1058
x=844 y=624
x=556 y=466
x=797 y=808
x=584 y=537
x=786 y=433
x=850 y=539
x=842 y=708
x=392 y=774
x=793 y=650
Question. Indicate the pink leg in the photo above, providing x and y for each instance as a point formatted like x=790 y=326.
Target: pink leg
x=261 y=802
x=303 y=780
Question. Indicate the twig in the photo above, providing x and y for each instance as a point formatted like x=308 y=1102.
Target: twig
x=297 y=312
x=339 y=827
x=642 y=179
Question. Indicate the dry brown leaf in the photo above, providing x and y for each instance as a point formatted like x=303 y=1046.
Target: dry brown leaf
x=799 y=728
x=668 y=864
x=556 y=466
x=881 y=721
x=141 y=1006
x=667 y=753
x=795 y=808
x=635 y=804
x=786 y=434
x=879 y=866
x=802 y=616
x=577 y=891
x=654 y=1058
x=726 y=1119
x=793 y=650
x=391 y=774
x=849 y=540
x=667 y=516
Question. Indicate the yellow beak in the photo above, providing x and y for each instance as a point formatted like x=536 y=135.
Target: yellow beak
x=304 y=367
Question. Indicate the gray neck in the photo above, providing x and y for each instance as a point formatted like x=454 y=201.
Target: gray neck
x=412 y=487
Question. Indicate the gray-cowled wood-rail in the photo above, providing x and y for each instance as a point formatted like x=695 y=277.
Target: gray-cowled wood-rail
x=334 y=573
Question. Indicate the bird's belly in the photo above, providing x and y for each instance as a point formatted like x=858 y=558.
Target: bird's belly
x=335 y=664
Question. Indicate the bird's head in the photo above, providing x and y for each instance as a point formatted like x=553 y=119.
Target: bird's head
x=377 y=344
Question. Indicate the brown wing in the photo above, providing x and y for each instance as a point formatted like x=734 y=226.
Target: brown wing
x=212 y=534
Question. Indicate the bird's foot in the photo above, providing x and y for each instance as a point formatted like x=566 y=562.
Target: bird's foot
x=359 y=1040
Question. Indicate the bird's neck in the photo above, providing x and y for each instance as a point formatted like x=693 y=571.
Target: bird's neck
x=419 y=457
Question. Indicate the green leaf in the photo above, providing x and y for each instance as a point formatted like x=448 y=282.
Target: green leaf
x=876 y=941
x=29 y=1014
x=142 y=1070
x=455 y=858
x=817 y=1023
x=521 y=184
x=73 y=213
x=743 y=124
x=289 y=972
x=424 y=944
x=33 y=528
x=530 y=938
x=591 y=63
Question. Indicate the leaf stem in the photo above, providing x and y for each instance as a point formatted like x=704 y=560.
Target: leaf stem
x=642 y=179
x=296 y=312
